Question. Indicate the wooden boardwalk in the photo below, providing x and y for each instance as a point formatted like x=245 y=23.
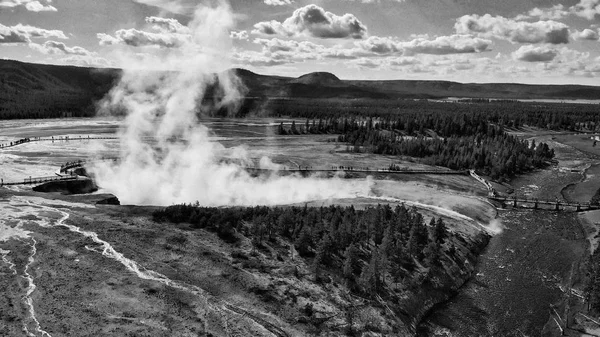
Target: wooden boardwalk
x=359 y=170
x=37 y=180
x=24 y=141
x=536 y=203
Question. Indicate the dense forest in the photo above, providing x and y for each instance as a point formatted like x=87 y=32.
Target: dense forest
x=426 y=113
x=592 y=288
x=377 y=251
x=596 y=198
x=48 y=91
x=460 y=142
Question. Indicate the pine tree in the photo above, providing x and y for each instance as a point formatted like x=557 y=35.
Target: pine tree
x=304 y=243
x=351 y=262
x=323 y=255
x=370 y=276
x=441 y=232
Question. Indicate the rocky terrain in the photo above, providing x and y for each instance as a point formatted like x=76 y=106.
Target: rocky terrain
x=77 y=271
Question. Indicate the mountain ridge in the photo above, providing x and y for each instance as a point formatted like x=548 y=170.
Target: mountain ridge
x=42 y=90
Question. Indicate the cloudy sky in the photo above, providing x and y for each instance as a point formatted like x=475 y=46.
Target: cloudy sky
x=528 y=41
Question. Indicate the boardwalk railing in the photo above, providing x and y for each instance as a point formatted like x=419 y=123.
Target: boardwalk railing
x=358 y=170
x=38 y=180
x=64 y=168
x=48 y=139
x=537 y=202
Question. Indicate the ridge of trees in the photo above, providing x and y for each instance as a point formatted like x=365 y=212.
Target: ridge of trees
x=374 y=251
x=457 y=142
x=507 y=114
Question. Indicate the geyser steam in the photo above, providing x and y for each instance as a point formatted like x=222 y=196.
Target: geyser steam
x=166 y=155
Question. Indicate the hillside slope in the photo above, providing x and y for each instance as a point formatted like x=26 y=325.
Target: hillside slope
x=42 y=91
x=38 y=90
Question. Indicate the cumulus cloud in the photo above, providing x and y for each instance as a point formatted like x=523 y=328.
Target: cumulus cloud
x=380 y=50
x=314 y=21
x=535 y=53
x=139 y=38
x=588 y=9
x=587 y=34
x=24 y=33
x=54 y=47
x=441 y=45
x=239 y=35
x=166 y=25
x=585 y=8
x=87 y=61
x=277 y=2
x=173 y=6
x=515 y=31
x=257 y=59
x=167 y=33
x=30 y=5
x=556 y=12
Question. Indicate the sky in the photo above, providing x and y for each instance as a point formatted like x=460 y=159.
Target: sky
x=525 y=41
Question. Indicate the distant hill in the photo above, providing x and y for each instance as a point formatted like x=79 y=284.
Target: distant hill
x=36 y=90
x=319 y=78
x=327 y=85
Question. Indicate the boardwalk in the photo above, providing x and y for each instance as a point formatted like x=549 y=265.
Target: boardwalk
x=80 y=163
x=359 y=170
x=24 y=141
x=38 y=180
x=536 y=203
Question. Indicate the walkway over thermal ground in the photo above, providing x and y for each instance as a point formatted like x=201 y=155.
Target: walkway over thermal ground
x=66 y=173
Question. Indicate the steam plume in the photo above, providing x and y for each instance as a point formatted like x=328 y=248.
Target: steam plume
x=166 y=155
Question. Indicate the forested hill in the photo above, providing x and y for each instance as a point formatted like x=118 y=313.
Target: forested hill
x=326 y=85
x=42 y=91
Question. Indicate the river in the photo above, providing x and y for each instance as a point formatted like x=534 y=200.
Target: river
x=523 y=269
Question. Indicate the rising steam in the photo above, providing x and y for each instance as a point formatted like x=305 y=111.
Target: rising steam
x=166 y=155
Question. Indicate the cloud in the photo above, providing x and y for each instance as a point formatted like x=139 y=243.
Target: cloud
x=441 y=45
x=24 y=33
x=556 y=12
x=396 y=53
x=535 y=54
x=314 y=21
x=239 y=35
x=587 y=9
x=166 y=25
x=514 y=31
x=587 y=34
x=166 y=33
x=173 y=6
x=139 y=38
x=87 y=61
x=30 y=5
x=277 y=2
x=54 y=47
x=257 y=59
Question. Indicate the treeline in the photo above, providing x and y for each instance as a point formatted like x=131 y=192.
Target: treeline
x=499 y=155
x=507 y=114
x=592 y=285
x=596 y=198
x=16 y=104
x=459 y=143
x=372 y=250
